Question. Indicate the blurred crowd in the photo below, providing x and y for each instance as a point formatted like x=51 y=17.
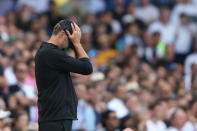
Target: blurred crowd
x=144 y=54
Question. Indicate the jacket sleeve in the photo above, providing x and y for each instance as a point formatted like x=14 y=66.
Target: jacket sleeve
x=58 y=59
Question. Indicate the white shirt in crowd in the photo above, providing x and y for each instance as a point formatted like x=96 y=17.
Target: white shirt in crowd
x=147 y=13
x=183 y=39
x=86 y=117
x=116 y=27
x=118 y=106
x=191 y=59
x=30 y=92
x=188 y=126
x=167 y=31
x=187 y=8
x=155 y=126
x=10 y=76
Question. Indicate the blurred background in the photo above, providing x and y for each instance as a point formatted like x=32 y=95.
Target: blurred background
x=144 y=54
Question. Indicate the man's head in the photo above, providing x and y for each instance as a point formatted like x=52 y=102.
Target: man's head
x=178 y=118
x=110 y=120
x=59 y=33
x=21 y=122
x=145 y=2
x=117 y=91
x=158 y=109
x=165 y=13
x=156 y=36
x=184 y=19
x=20 y=69
x=164 y=89
x=133 y=103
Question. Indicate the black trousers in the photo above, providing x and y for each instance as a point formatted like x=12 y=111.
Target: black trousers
x=61 y=125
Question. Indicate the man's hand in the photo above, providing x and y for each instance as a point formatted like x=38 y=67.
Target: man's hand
x=75 y=37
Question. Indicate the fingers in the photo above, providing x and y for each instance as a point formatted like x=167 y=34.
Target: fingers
x=73 y=27
x=68 y=33
x=77 y=27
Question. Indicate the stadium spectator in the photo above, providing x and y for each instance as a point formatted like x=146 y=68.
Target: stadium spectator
x=147 y=12
x=110 y=121
x=179 y=121
x=157 y=111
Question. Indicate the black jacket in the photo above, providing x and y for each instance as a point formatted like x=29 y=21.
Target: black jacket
x=56 y=96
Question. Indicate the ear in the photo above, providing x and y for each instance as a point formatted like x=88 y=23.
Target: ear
x=62 y=33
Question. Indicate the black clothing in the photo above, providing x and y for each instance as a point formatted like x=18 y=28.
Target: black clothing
x=56 y=96
x=14 y=88
x=65 y=125
x=1 y=70
x=180 y=58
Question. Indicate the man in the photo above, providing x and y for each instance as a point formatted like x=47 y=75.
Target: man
x=116 y=96
x=179 y=121
x=25 y=93
x=147 y=12
x=86 y=113
x=110 y=121
x=157 y=112
x=183 y=40
x=57 y=101
x=21 y=121
x=189 y=62
x=164 y=27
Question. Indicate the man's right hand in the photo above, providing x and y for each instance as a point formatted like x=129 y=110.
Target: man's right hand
x=75 y=37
